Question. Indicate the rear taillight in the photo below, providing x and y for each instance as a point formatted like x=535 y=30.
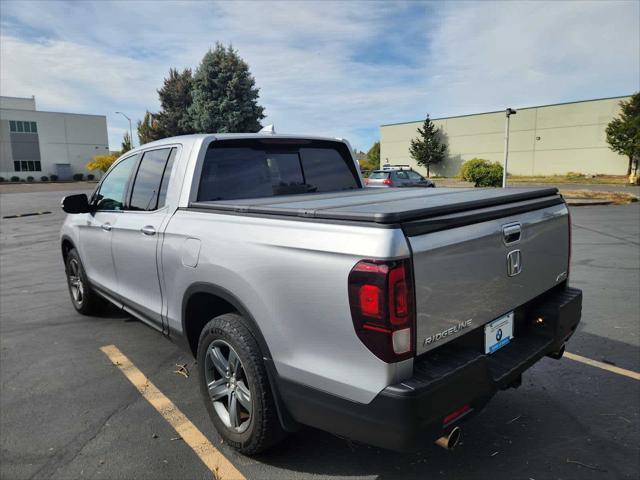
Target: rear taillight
x=382 y=307
x=387 y=181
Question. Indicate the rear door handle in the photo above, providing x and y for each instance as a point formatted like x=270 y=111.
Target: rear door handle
x=148 y=230
x=106 y=227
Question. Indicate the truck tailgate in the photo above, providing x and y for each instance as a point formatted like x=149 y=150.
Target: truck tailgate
x=474 y=266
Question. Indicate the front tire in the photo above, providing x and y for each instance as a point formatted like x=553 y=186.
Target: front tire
x=235 y=386
x=83 y=298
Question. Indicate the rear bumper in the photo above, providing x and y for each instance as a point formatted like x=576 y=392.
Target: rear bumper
x=406 y=415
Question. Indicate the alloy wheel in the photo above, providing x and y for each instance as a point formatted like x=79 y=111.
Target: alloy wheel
x=228 y=386
x=75 y=281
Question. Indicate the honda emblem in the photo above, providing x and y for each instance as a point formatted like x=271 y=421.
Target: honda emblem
x=514 y=263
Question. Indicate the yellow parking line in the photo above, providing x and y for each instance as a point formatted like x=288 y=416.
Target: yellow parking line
x=210 y=456
x=603 y=366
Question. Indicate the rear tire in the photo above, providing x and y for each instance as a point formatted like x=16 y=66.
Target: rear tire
x=84 y=299
x=235 y=386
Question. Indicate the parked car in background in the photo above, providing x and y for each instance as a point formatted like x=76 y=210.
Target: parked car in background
x=397 y=176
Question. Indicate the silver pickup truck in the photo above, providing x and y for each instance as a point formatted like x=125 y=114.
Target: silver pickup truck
x=388 y=316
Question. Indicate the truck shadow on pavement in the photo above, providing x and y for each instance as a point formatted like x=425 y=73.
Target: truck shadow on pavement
x=567 y=420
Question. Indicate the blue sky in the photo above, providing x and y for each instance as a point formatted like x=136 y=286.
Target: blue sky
x=330 y=68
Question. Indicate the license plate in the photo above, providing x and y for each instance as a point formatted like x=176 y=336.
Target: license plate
x=498 y=333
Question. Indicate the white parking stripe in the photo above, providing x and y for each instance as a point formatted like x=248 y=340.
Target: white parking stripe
x=222 y=468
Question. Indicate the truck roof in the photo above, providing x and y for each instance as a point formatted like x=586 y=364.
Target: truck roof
x=202 y=137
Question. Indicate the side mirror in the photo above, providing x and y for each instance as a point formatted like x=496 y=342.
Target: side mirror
x=76 y=203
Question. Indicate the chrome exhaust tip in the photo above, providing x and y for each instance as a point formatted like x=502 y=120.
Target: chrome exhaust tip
x=557 y=355
x=450 y=441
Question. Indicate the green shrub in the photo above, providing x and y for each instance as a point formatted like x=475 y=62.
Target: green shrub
x=1 y=179
x=44 y=178
x=91 y=176
x=575 y=175
x=78 y=177
x=15 y=179
x=30 y=178
x=482 y=173
x=53 y=177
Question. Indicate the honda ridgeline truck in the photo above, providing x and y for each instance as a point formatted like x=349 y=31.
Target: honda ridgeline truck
x=388 y=316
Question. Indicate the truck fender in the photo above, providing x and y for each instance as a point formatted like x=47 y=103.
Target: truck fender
x=287 y=422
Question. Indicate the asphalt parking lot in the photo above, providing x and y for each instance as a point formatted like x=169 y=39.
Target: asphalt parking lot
x=67 y=412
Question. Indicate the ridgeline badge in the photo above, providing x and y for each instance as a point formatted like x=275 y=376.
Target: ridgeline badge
x=447 y=332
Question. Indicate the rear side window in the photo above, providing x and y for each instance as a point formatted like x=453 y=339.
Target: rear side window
x=379 y=175
x=236 y=169
x=148 y=183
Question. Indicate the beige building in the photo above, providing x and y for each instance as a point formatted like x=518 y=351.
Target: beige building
x=34 y=143
x=544 y=140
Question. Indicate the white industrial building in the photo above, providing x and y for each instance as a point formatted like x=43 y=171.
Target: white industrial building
x=36 y=143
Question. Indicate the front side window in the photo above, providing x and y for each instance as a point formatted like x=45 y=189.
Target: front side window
x=414 y=176
x=110 y=196
x=147 y=184
x=236 y=169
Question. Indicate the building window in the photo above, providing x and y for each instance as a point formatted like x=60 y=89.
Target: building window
x=22 y=127
x=27 y=166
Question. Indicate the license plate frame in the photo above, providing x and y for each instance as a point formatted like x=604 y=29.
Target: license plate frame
x=498 y=333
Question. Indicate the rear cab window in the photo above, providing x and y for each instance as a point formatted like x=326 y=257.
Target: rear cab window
x=253 y=168
x=380 y=175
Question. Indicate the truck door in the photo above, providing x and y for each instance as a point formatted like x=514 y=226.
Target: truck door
x=137 y=236
x=97 y=233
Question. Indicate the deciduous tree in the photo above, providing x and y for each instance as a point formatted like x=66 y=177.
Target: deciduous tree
x=623 y=132
x=101 y=162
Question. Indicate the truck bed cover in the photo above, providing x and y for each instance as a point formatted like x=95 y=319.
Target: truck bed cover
x=389 y=206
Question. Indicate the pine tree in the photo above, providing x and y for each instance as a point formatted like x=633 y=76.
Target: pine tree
x=623 y=133
x=148 y=130
x=427 y=149
x=126 y=143
x=225 y=98
x=175 y=100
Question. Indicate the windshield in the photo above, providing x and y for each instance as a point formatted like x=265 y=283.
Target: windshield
x=235 y=169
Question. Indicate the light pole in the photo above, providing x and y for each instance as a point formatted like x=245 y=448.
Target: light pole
x=509 y=112
x=130 y=129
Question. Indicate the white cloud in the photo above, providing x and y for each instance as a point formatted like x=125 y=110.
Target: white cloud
x=492 y=55
x=336 y=68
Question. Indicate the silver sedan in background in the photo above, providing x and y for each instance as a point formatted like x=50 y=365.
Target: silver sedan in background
x=397 y=176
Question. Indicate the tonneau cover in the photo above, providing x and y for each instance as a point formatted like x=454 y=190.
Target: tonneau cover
x=382 y=206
